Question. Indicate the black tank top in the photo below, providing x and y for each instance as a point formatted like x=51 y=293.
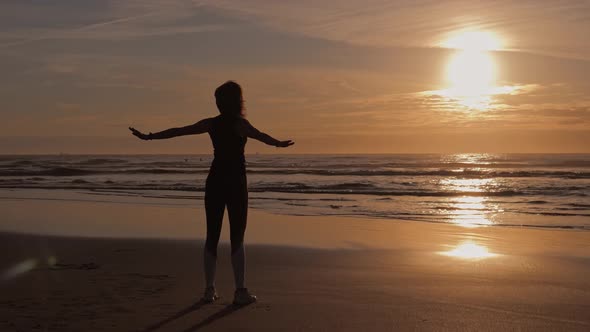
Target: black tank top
x=228 y=146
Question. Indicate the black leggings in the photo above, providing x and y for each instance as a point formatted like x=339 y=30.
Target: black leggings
x=226 y=190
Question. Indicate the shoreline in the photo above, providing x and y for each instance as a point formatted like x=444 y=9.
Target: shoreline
x=65 y=214
x=310 y=273
x=14 y=203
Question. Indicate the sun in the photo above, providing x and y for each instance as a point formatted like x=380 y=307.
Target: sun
x=471 y=76
x=471 y=70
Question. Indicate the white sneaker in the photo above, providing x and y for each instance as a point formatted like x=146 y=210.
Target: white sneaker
x=243 y=297
x=210 y=295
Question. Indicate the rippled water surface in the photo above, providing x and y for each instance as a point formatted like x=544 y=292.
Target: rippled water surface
x=467 y=189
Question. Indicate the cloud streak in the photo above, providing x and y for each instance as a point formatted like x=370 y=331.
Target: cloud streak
x=150 y=19
x=427 y=23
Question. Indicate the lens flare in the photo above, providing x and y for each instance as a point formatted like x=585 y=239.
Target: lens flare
x=18 y=269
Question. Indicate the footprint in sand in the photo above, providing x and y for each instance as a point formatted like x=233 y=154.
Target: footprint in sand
x=150 y=276
x=83 y=266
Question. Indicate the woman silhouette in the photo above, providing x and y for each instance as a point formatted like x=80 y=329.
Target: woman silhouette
x=226 y=183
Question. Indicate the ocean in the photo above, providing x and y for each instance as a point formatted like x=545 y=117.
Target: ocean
x=471 y=190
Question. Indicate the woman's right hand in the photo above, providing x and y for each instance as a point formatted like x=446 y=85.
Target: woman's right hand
x=284 y=144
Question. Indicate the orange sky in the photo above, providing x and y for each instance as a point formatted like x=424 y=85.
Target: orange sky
x=335 y=76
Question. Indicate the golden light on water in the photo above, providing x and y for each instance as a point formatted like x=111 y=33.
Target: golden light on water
x=471 y=211
x=469 y=250
x=467 y=185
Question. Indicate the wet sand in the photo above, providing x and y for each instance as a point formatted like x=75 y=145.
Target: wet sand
x=310 y=273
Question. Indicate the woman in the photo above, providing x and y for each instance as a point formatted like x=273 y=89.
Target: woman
x=226 y=184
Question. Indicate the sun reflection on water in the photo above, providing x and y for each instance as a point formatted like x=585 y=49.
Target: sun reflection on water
x=471 y=158
x=470 y=210
x=467 y=185
x=469 y=250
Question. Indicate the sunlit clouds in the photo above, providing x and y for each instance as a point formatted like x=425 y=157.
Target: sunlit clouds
x=338 y=76
x=474 y=41
x=425 y=24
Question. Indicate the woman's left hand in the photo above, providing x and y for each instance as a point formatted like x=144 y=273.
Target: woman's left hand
x=138 y=133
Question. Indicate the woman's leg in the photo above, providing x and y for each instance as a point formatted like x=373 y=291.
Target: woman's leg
x=214 y=207
x=237 y=209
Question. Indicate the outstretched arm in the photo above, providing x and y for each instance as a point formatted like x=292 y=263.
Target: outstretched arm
x=194 y=129
x=256 y=134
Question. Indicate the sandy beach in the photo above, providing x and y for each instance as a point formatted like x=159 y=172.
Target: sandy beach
x=385 y=165
x=371 y=275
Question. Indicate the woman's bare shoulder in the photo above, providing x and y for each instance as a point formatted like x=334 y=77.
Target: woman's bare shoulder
x=244 y=126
